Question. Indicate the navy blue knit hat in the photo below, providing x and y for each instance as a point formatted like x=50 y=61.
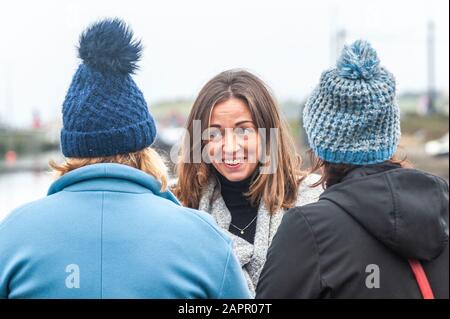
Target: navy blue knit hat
x=104 y=112
x=352 y=117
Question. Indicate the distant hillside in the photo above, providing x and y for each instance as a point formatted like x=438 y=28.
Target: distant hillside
x=410 y=103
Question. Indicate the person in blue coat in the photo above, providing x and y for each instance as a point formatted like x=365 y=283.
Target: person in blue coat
x=108 y=227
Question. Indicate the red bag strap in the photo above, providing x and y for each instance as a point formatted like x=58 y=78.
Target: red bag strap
x=421 y=278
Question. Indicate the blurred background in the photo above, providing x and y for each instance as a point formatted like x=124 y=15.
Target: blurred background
x=288 y=43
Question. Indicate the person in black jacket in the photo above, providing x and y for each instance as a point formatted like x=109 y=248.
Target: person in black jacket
x=376 y=215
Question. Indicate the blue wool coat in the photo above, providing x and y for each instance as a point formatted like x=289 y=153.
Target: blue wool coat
x=106 y=231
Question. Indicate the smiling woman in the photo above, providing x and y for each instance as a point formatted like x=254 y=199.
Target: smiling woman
x=235 y=107
x=249 y=174
x=233 y=144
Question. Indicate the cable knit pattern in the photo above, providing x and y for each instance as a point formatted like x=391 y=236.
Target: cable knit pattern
x=253 y=257
x=352 y=117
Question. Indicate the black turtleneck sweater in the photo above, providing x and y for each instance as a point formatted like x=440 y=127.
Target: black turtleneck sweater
x=242 y=212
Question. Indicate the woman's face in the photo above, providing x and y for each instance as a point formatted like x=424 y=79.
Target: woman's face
x=233 y=140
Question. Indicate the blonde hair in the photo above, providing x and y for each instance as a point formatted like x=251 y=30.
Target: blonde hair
x=276 y=190
x=146 y=160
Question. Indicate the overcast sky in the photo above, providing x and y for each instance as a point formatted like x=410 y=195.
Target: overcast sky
x=286 y=42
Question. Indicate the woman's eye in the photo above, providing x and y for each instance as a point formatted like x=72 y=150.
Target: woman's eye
x=214 y=134
x=245 y=131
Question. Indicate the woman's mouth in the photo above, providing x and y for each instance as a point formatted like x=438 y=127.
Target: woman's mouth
x=233 y=164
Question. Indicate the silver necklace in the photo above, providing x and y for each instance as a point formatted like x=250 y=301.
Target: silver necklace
x=242 y=230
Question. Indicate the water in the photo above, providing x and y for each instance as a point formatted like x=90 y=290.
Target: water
x=17 y=189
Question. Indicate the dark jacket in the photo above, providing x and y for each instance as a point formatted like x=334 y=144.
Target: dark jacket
x=356 y=240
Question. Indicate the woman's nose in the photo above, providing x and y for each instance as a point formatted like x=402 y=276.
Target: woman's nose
x=230 y=142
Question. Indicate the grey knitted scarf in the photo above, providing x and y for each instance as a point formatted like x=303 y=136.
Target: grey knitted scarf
x=252 y=257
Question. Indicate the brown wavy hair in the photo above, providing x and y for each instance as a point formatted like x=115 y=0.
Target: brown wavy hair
x=334 y=173
x=278 y=189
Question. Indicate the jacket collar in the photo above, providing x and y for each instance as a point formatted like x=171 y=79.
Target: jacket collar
x=366 y=170
x=109 y=177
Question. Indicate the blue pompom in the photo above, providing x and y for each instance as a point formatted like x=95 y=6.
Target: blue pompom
x=108 y=46
x=359 y=61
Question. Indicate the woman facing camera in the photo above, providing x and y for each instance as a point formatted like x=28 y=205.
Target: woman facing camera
x=380 y=229
x=242 y=168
